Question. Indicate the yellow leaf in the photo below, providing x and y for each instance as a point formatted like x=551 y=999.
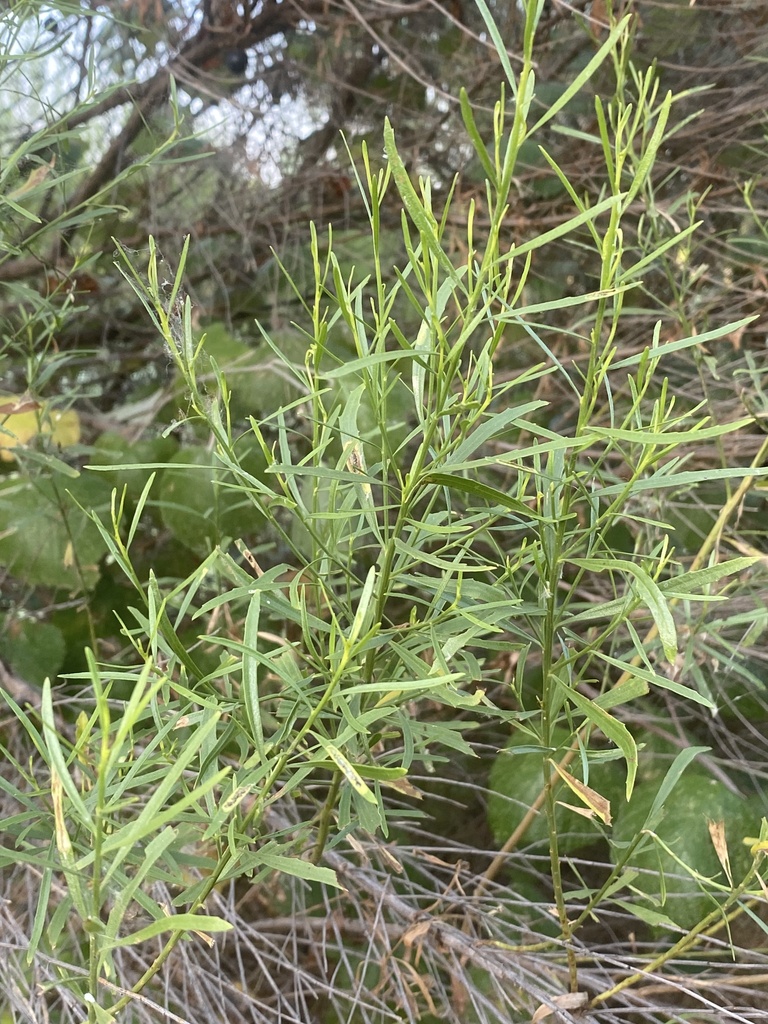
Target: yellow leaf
x=36 y=177
x=717 y=835
x=69 y=556
x=23 y=418
x=349 y=772
x=596 y=803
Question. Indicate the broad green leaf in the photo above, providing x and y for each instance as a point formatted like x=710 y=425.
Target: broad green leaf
x=677 y=859
x=198 y=506
x=44 y=537
x=34 y=650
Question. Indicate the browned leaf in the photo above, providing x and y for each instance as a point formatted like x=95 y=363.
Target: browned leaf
x=569 y=1001
x=717 y=835
x=596 y=803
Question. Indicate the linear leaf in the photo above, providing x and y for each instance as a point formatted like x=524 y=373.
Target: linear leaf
x=609 y=726
x=656 y=680
x=583 y=77
x=650 y=593
x=349 y=772
x=250 y=679
x=682 y=343
x=427 y=228
x=200 y=923
x=700 y=578
x=298 y=868
x=56 y=755
x=478 y=489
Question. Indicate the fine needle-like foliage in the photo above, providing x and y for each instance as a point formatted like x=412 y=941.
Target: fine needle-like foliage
x=411 y=559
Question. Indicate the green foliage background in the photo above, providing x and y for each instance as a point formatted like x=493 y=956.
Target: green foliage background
x=338 y=559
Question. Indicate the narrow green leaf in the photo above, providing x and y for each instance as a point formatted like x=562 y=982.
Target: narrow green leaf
x=634 y=687
x=564 y=302
x=688 y=582
x=298 y=868
x=644 y=913
x=179 y=276
x=426 y=227
x=649 y=156
x=203 y=924
x=20 y=210
x=566 y=228
x=583 y=77
x=153 y=851
x=493 y=426
x=419 y=371
x=517 y=456
x=130 y=835
x=659 y=609
x=150 y=815
x=649 y=592
x=138 y=513
x=676 y=769
x=250 y=680
x=422 y=557
x=649 y=437
x=498 y=43
x=479 y=146
x=611 y=727
x=57 y=760
x=362 y=606
x=348 y=770
x=657 y=680
x=477 y=489
x=51 y=463
x=650 y=257
x=41 y=914
x=682 y=343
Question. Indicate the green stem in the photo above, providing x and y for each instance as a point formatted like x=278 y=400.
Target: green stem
x=682 y=944
x=325 y=818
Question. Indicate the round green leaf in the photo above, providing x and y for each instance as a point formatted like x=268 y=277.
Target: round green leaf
x=44 y=537
x=696 y=799
x=33 y=650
